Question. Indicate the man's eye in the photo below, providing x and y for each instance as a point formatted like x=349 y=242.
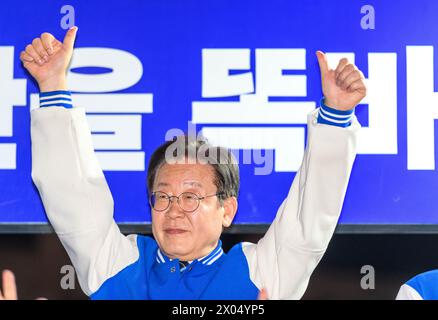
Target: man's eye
x=161 y=197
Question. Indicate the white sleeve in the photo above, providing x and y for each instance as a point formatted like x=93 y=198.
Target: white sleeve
x=406 y=292
x=284 y=259
x=76 y=197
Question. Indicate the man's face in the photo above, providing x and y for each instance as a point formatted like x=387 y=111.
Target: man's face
x=183 y=235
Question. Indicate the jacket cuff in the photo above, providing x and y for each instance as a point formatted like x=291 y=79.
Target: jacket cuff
x=334 y=117
x=56 y=99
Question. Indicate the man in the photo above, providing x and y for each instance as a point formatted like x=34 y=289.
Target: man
x=191 y=203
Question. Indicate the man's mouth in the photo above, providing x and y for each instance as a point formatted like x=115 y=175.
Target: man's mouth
x=175 y=231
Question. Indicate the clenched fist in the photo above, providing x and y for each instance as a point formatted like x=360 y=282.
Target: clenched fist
x=47 y=60
x=344 y=87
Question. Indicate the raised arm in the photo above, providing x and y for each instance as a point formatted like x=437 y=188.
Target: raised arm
x=72 y=186
x=284 y=259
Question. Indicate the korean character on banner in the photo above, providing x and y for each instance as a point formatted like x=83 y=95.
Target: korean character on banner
x=114 y=118
x=12 y=94
x=255 y=107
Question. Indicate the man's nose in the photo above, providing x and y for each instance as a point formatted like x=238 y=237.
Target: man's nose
x=175 y=210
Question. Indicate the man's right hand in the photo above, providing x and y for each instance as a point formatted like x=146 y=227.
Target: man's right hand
x=47 y=60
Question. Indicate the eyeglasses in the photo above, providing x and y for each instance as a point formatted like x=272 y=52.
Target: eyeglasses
x=187 y=201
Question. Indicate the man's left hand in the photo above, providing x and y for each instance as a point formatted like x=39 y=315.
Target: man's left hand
x=344 y=87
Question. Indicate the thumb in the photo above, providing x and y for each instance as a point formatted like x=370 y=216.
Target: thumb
x=322 y=61
x=70 y=36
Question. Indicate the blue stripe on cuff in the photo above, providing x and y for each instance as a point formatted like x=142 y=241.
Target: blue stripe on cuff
x=66 y=101
x=65 y=105
x=54 y=93
x=323 y=121
x=55 y=99
x=338 y=118
x=335 y=111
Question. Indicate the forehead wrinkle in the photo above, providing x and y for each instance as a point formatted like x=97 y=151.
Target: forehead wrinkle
x=162 y=181
x=193 y=184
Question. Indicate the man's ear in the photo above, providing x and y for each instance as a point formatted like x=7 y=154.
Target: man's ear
x=230 y=209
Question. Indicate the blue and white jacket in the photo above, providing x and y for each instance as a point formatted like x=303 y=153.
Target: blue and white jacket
x=421 y=287
x=109 y=265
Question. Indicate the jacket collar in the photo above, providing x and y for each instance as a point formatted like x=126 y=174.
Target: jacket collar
x=207 y=260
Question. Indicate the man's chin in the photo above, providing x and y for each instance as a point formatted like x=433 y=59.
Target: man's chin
x=176 y=237
x=178 y=254
x=176 y=247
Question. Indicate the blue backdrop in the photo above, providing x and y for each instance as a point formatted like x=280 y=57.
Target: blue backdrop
x=169 y=48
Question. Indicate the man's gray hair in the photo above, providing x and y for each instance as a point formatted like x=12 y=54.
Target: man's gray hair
x=198 y=150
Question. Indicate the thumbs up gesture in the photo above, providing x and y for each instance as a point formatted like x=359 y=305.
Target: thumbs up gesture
x=344 y=87
x=47 y=60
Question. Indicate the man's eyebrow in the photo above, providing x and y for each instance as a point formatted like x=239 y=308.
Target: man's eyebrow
x=191 y=183
x=162 y=184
